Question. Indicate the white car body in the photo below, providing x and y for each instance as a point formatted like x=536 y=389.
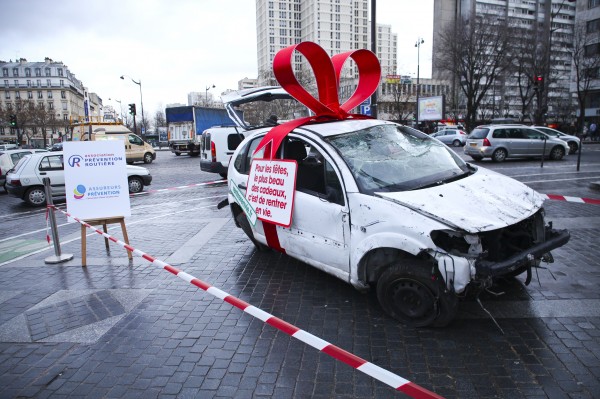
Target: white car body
x=358 y=235
x=25 y=181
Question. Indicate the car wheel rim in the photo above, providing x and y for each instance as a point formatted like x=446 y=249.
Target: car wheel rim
x=37 y=197
x=412 y=300
x=134 y=186
x=500 y=155
x=557 y=153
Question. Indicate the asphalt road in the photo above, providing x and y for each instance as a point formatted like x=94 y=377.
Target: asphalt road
x=121 y=329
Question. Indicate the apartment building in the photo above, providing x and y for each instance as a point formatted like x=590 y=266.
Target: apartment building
x=588 y=20
x=50 y=87
x=336 y=25
x=552 y=23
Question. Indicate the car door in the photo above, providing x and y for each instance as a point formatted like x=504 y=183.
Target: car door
x=134 y=148
x=518 y=142
x=535 y=142
x=319 y=232
x=320 y=229
x=52 y=166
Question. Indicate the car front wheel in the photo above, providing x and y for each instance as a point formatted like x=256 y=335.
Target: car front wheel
x=148 y=158
x=573 y=147
x=557 y=153
x=411 y=294
x=35 y=196
x=136 y=185
x=499 y=155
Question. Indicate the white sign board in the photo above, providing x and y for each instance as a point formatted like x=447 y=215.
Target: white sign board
x=96 y=179
x=271 y=188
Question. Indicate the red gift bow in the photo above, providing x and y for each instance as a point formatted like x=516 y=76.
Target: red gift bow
x=327 y=73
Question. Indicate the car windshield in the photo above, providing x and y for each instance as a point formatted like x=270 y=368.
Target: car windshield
x=393 y=157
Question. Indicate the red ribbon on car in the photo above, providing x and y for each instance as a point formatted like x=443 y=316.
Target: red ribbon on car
x=327 y=74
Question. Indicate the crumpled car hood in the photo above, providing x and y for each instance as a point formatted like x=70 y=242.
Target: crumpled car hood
x=483 y=201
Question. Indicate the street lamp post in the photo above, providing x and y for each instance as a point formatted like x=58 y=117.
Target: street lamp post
x=139 y=83
x=418 y=46
x=206 y=91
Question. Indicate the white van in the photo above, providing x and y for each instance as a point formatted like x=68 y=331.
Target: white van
x=216 y=148
x=136 y=149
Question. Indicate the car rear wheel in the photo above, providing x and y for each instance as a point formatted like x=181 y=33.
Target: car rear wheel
x=557 y=153
x=35 y=196
x=411 y=294
x=456 y=143
x=136 y=185
x=476 y=157
x=148 y=158
x=178 y=153
x=499 y=155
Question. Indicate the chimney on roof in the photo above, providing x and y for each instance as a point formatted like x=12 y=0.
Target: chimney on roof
x=22 y=60
x=48 y=60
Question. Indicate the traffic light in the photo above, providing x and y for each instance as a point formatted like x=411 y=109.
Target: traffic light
x=538 y=83
x=13 y=120
x=132 y=109
x=539 y=79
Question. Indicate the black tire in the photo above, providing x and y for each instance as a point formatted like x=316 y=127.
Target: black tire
x=136 y=185
x=410 y=294
x=499 y=155
x=223 y=175
x=178 y=153
x=573 y=147
x=148 y=158
x=35 y=196
x=557 y=153
x=245 y=225
x=476 y=157
x=456 y=143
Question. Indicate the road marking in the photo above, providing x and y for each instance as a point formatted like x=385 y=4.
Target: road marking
x=185 y=253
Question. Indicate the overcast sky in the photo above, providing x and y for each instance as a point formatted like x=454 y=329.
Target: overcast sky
x=173 y=47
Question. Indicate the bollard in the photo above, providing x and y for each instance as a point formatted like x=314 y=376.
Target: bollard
x=58 y=257
x=543 y=152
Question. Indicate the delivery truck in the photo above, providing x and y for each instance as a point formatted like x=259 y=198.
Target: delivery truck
x=186 y=124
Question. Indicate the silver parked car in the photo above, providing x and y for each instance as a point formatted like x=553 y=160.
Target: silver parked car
x=499 y=142
x=572 y=141
x=451 y=136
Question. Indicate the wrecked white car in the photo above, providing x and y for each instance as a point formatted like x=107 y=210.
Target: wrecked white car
x=376 y=206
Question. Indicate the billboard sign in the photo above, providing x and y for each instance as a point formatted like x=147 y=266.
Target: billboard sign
x=431 y=108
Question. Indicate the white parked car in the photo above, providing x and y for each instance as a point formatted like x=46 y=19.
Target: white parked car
x=572 y=141
x=25 y=180
x=9 y=158
x=375 y=205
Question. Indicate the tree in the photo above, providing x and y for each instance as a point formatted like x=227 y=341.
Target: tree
x=476 y=51
x=159 y=119
x=586 y=66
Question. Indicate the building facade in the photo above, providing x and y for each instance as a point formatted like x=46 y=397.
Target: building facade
x=588 y=20
x=551 y=22
x=42 y=96
x=336 y=25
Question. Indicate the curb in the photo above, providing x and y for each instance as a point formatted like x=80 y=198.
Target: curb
x=595 y=185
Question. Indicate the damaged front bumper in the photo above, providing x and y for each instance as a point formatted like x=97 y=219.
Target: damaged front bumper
x=554 y=239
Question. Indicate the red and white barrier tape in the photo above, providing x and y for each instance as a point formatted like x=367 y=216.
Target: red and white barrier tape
x=556 y=197
x=385 y=376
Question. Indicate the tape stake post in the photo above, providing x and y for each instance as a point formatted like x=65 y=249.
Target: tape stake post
x=370 y=369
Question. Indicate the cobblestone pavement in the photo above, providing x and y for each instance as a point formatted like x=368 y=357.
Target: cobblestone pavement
x=121 y=329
